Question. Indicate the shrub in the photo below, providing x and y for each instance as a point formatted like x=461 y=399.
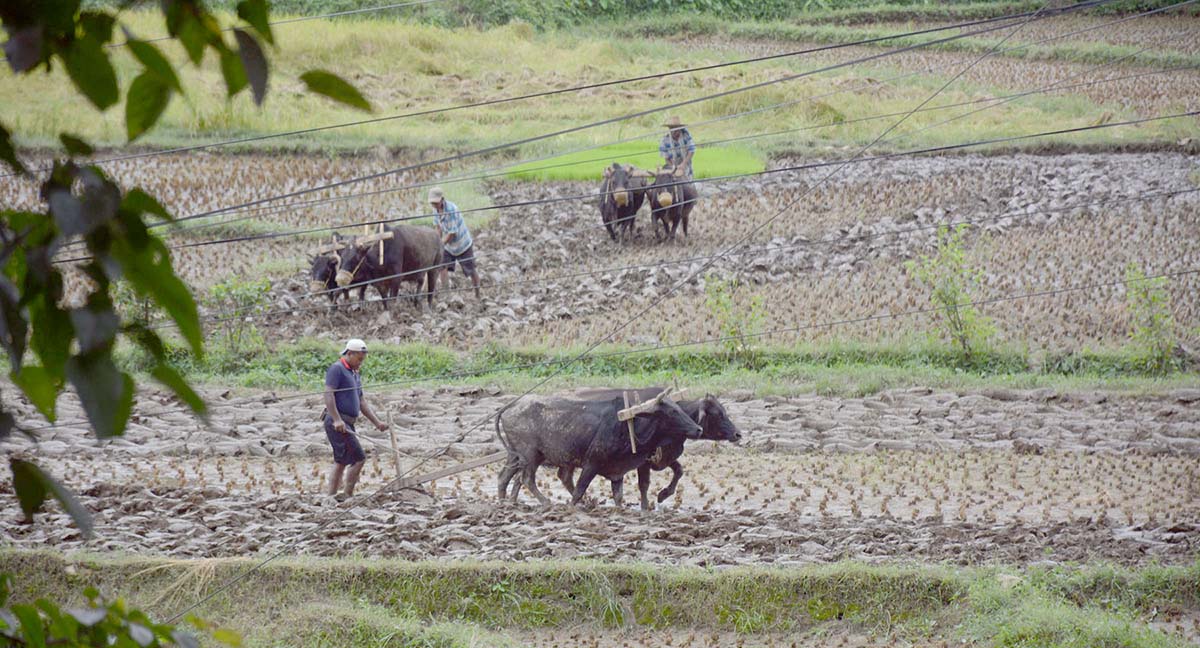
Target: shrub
x=1153 y=335
x=738 y=325
x=237 y=302
x=952 y=282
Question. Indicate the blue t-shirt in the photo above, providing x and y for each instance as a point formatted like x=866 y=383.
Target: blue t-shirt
x=449 y=221
x=347 y=386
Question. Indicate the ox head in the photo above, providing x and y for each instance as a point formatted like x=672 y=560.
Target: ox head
x=617 y=178
x=324 y=266
x=352 y=261
x=715 y=422
x=669 y=418
x=324 y=269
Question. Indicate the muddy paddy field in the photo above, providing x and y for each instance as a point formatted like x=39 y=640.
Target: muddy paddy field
x=999 y=478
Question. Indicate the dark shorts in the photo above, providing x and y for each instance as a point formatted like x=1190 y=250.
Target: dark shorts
x=346 y=449
x=466 y=260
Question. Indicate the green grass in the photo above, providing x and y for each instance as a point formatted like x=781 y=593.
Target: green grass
x=405 y=67
x=588 y=165
x=358 y=602
x=849 y=369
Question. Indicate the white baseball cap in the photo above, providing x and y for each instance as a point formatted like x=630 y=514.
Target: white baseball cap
x=355 y=345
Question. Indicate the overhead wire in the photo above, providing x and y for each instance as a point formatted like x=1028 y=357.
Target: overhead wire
x=592 y=347
x=579 y=88
x=604 y=122
x=780 y=170
x=764 y=249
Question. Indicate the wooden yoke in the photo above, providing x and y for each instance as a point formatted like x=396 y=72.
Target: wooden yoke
x=630 y=412
x=332 y=248
x=381 y=245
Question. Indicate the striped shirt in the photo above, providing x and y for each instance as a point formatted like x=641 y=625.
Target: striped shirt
x=451 y=221
x=675 y=150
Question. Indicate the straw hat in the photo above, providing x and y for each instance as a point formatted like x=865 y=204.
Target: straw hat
x=436 y=195
x=673 y=122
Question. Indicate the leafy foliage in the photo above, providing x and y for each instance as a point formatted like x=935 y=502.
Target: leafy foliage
x=51 y=340
x=739 y=325
x=238 y=334
x=101 y=623
x=952 y=283
x=1153 y=333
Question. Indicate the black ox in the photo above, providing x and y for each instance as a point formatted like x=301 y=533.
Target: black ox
x=584 y=432
x=672 y=199
x=621 y=196
x=708 y=413
x=413 y=254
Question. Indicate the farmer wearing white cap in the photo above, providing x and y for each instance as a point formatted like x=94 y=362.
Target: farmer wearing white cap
x=677 y=147
x=343 y=405
x=457 y=246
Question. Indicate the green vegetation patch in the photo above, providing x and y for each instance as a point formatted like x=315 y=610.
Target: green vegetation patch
x=848 y=369
x=709 y=161
x=357 y=602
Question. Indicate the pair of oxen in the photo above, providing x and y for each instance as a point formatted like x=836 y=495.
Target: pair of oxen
x=385 y=259
x=626 y=187
x=584 y=431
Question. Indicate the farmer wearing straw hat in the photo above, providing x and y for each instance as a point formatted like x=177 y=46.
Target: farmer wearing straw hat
x=677 y=147
x=457 y=246
x=343 y=404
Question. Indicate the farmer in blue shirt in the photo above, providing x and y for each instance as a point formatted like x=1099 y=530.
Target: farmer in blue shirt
x=343 y=405
x=457 y=246
x=677 y=148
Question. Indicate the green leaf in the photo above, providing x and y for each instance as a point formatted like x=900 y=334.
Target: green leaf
x=227 y=637
x=147 y=99
x=254 y=64
x=192 y=34
x=89 y=68
x=332 y=86
x=255 y=13
x=51 y=336
x=31 y=625
x=61 y=625
x=234 y=73
x=155 y=63
x=168 y=376
x=75 y=145
x=149 y=272
x=40 y=387
x=8 y=152
x=105 y=392
x=97 y=25
x=33 y=485
x=140 y=202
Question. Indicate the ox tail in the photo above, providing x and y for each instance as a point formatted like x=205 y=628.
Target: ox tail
x=500 y=435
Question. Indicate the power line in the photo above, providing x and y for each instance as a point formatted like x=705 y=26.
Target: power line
x=819 y=325
x=612 y=120
x=258 y=212
x=288 y=21
x=261 y=203
x=647 y=77
x=788 y=169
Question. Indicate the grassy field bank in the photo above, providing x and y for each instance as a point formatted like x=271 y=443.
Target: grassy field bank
x=850 y=369
x=405 y=67
x=351 y=602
